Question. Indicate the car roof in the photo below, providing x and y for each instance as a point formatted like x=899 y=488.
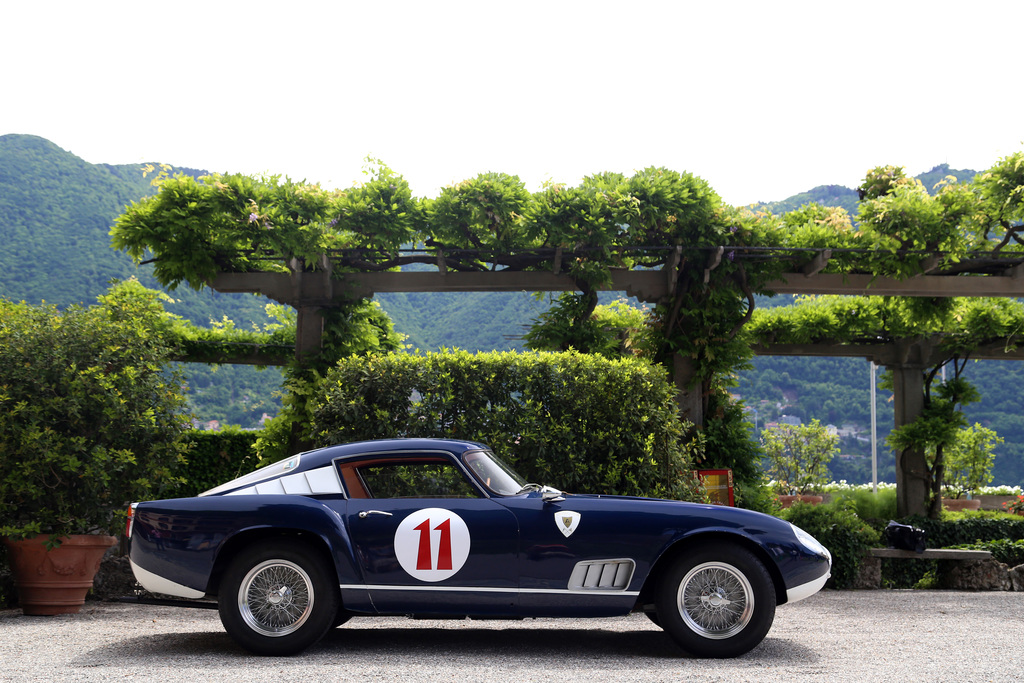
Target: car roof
x=322 y=456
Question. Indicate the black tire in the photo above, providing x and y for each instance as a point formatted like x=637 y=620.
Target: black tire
x=278 y=598
x=717 y=601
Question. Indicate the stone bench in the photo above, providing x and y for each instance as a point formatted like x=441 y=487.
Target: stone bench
x=931 y=554
x=957 y=569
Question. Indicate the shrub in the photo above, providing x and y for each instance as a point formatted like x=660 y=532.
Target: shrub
x=1004 y=550
x=90 y=419
x=870 y=506
x=956 y=528
x=837 y=526
x=582 y=423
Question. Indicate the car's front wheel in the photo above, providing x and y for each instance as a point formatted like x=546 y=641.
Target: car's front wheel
x=717 y=601
x=278 y=598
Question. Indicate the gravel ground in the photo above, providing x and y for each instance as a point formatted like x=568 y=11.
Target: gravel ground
x=832 y=636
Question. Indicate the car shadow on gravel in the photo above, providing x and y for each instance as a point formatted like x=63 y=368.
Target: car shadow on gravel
x=542 y=646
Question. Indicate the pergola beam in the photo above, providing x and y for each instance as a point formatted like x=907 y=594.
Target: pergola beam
x=646 y=285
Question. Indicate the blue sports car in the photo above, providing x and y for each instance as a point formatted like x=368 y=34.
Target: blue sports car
x=427 y=527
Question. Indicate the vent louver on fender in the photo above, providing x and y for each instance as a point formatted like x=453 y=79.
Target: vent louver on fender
x=310 y=483
x=608 y=575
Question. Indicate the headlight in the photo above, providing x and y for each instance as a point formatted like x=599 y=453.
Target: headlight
x=811 y=543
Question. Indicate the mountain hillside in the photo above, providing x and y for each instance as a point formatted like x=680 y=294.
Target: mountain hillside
x=55 y=215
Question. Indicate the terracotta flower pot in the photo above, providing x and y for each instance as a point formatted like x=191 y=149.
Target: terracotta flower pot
x=961 y=504
x=787 y=501
x=55 y=581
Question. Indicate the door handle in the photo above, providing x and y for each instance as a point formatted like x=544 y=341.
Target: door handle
x=366 y=513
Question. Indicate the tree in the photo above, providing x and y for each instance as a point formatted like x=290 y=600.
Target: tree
x=798 y=456
x=970 y=460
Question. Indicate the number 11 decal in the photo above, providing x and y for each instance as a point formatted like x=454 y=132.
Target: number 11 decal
x=444 y=550
x=432 y=544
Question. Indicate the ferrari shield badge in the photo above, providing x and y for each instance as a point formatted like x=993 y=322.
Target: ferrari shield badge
x=567 y=522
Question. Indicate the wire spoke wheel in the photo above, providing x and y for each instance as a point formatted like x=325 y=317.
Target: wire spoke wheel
x=275 y=598
x=278 y=597
x=715 y=600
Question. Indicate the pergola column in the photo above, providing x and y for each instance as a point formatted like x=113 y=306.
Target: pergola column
x=912 y=492
x=689 y=396
x=309 y=330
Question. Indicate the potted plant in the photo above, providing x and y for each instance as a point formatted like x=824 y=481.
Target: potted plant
x=1015 y=506
x=797 y=460
x=969 y=461
x=90 y=420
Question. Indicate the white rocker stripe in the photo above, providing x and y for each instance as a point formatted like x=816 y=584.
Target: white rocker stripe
x=482 y=589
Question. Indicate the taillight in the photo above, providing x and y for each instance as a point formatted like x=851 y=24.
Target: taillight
x=130 y=521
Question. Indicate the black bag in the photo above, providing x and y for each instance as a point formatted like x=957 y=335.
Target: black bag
x=904 y=537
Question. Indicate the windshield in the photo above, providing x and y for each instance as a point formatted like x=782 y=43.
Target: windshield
x=498 y=477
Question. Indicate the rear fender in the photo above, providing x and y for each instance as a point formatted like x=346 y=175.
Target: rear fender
x=195 y=538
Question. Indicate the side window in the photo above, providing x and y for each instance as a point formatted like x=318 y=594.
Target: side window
x=416 y=480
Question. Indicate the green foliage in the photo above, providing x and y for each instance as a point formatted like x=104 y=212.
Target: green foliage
x=198 y=227
x=969 y=460
x=55 y=211
x=837 y=526
x=90 y=420
x=907 y=222
x=350 y=331
x=284 y=220
x=958 y=325
x=612 y=330
x=955 y=528
x=1010 y=553
x=936 y=429
x=798 y=456
x=378 y=214
x=548 y=415
x=213 y=459
x=1000 y=217
x=726 y=443
x=483 y=213
x=876 y=508
x=955 y=327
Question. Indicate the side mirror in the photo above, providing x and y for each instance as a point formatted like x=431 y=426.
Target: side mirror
x=552 y=496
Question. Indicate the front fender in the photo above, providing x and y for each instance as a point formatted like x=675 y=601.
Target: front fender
x=183 y=540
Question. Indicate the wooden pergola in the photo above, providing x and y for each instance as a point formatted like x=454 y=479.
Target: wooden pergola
x=312 y=290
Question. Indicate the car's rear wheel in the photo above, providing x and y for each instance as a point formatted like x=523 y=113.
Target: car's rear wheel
x=718 y=601
x=278 y=598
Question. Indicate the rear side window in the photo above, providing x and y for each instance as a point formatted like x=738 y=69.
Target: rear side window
x=416 y=480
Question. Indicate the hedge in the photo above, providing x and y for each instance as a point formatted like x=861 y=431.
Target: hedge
x=215 y=458
x=578 y=422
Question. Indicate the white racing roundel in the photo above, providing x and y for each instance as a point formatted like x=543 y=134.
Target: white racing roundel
x=432 y=544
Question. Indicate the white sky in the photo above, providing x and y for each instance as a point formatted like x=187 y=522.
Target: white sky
x=761 y=99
